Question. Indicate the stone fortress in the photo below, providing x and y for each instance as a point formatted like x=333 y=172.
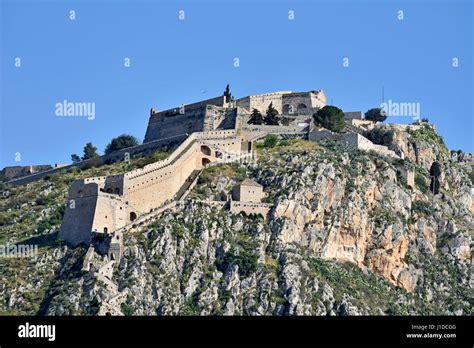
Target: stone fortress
x=213 y=130
x=101 y=209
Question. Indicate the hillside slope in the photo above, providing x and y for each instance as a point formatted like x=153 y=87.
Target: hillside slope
x=346 y=236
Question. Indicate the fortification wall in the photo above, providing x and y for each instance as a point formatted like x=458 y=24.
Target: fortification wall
x=354 y=140
x=219 y=118
x=178 y=124
x=303 y=101
x=362 y=143
x=285 y=102
x=120 y=155
x=262 y=101
x=111 y=213
x=174 y=122
x=79 y=214
x=106 y=204
x=255 y=132
x=250 y=208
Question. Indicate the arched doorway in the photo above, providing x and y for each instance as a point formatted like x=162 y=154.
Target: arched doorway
x=205 y=161
x=109 y=190
x=287 y=109
x=218 y=154
x=106 y=230
x=205 y=150
x=133 y=216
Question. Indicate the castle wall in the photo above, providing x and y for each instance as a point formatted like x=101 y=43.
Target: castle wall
x=285 y=102
x=354 y=140
x=171 y=122
x=167 y=126
x=140 y=191
x=250 y=208
x=262 y=101
x=79 y=214
x=110 y=214
x=147 y=149
x=294 y=102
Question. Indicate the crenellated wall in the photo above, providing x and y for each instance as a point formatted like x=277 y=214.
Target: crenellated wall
x=211 y=130
x=106 y=204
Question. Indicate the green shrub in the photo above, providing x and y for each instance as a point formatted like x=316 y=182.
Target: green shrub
x=43 y=200
x=422 y=207
x=380 y=136
x=270 y=141
x=43 y=226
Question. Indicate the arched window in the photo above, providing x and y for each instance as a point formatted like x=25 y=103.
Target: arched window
x=133 y=216
x=205 y=150
x=287 y=108
x=205 y=161
x=301 y=106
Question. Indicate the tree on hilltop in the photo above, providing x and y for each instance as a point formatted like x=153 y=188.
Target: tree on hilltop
x=375 y=115
x=330 y=117
x=227 y=94
x=256 y=117
x=75 y=158
x=90 y=151
x=121 y=142
x=271 y=117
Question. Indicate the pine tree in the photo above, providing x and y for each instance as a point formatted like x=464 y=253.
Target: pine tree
x=75 y=158
x=271 y=117
x=227 y=94
x=376 y=115
x=330 y=117
x=90 y=151
x=256 y=117
x=121 y=142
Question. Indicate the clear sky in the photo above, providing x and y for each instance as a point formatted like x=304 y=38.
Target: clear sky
x=175 y=61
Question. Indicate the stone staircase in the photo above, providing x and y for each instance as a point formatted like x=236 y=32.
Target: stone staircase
x=353 y=129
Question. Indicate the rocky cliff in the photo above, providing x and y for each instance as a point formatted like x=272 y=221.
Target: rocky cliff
x=345 y=236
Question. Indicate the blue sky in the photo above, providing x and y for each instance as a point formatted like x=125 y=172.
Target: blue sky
x=174 y=61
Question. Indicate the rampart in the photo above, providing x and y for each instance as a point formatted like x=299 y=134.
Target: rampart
x=184 y=120
x=285 y=102
x=102 y=205
x=354 y=140
x=250 y=208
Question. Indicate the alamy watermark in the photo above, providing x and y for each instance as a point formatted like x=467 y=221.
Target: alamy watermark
x=66 y=108
x=18 y=250
x=242 y=157
x=409 y=109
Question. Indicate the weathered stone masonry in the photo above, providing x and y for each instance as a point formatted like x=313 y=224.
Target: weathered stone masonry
x=101 y=207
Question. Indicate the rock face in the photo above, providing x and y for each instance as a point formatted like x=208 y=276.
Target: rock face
x=345 y=236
